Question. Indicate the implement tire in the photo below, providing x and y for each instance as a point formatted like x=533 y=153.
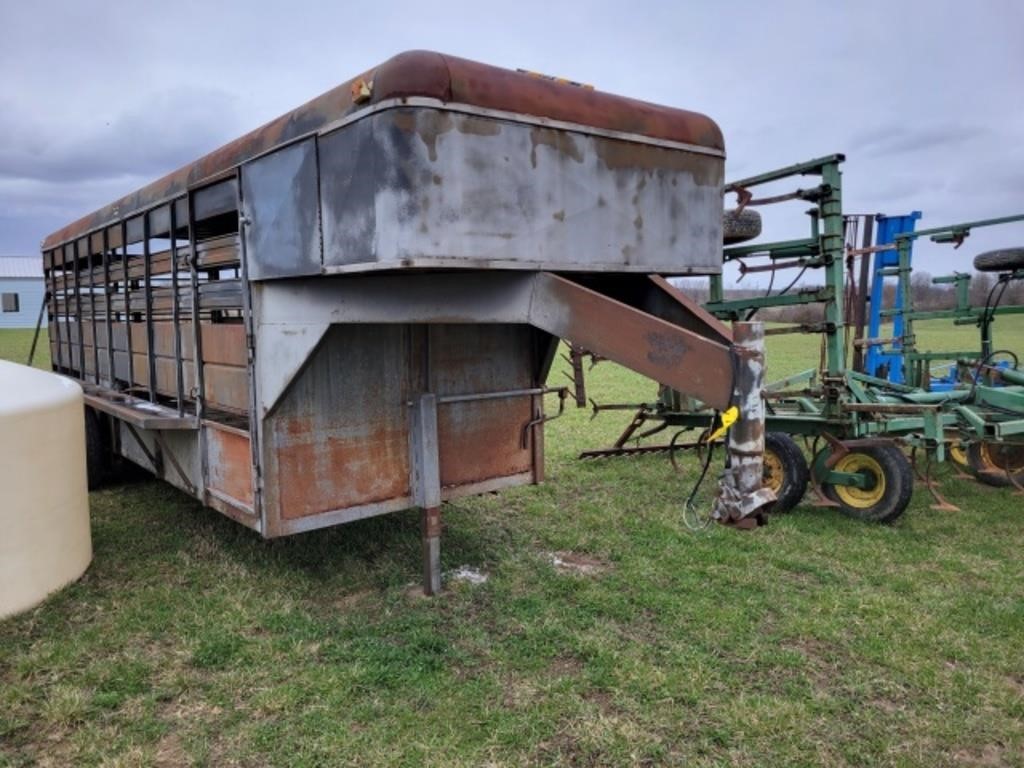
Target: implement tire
x=1002 y=260
x=740 y=226
x=892 y=483
x=785 y=471
x=991 y=462
x=956 y=451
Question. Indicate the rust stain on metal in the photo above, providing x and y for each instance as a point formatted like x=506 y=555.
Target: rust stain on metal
x=625 y=155
x=664 y=350
x=320 y=472
x=480 y=440
x=639 y=341
x=477 y=126
x=230 y=464
x=560 y=141
x=429 y=126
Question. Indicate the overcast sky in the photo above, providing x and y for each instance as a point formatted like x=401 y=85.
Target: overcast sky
x=925 y=98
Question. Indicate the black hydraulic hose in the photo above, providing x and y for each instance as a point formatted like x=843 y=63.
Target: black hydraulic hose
x=783 y=292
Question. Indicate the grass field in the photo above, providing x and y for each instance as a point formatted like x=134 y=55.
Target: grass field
x=815 y=640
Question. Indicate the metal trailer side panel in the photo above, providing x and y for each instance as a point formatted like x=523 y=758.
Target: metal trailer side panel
x=428 y=187
x=337 y=444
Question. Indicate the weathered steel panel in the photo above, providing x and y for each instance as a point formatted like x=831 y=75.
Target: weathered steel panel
x=229 y=460
x=339 y=437
x=667 y=353
x=425 y=187
x=482 y=439
x=281 y=206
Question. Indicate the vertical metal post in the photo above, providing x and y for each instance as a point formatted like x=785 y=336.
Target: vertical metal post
x=92 y=313
x=106 y=307
x=126 y=288
x=250 y=342
x=197 y=348
x=78 y=315
x=147 y=272
x=906 y=344
x=832 y=254
x=426 y=486
x=54 y=315
x=741 y=495
x=197 y=331
x=862 y=292
x=65 y=280
x=715 y=289
x=179 y=364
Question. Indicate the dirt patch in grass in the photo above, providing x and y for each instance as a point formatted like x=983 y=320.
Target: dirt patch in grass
x=565 y=666
x=354 y=599
x=580 y=564
x=170 y=752
x=989 y=755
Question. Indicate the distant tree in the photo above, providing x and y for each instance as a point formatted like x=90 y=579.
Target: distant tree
x=981 y=285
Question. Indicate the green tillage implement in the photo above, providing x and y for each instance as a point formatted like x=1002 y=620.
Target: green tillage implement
x=988 y=399
x=855 y=423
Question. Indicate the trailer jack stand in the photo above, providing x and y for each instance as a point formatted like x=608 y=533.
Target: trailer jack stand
x=742 y=498
x=426 y=486
x=431 y=551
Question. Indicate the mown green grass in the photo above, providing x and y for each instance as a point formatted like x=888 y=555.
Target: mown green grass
x=815 y=640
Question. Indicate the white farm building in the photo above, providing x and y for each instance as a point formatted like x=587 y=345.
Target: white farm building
x=21 y=291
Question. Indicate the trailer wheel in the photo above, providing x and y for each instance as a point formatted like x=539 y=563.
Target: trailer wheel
x=890 y=483
x=95 y=450
x=991 y=462
x=785 y=471
x=1002 y=260
x=740 y=226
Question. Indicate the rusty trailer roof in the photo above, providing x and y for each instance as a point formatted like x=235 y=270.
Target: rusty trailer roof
x=420 y=74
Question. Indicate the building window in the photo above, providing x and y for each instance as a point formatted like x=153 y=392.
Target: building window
x=10 y=302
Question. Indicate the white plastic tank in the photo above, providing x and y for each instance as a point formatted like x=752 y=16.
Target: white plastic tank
x=44 y=504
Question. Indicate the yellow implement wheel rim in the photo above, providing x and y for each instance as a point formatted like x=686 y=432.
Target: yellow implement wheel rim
x=1002 y=458
x=863 y=464
x=773 y=472
x=958 y=454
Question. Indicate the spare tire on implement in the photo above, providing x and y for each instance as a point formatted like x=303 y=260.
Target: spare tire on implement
x=738 y=226
x=1002 y=260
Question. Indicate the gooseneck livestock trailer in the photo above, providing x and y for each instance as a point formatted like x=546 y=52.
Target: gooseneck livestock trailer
x=352 y=310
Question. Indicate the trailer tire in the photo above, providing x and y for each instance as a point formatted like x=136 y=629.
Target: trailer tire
x=785 y=471
x=893 y=485
x=96 y=454
x=992 y=462
x=1002 y=260
x=738 y=226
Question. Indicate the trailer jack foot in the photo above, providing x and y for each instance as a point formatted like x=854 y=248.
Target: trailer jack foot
x=738 y=507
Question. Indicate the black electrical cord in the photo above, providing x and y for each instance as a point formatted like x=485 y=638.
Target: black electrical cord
x=783 y=292
x=703 y=474
x=734 y=369
x=688 y=504
x=771 y=283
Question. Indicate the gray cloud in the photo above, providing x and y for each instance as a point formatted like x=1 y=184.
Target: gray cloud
x=162 y=131
x=899 y=139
